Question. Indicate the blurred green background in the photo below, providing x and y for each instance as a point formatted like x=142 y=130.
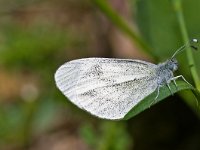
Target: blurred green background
x=37 y=36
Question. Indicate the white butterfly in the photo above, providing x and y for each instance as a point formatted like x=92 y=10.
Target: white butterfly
x=109 y=88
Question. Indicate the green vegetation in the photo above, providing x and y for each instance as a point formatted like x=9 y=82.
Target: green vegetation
x=36 y=37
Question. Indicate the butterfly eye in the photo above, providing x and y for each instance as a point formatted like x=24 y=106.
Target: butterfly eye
x=175 y=67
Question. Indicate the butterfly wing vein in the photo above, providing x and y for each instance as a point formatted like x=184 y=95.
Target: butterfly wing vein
x=107 y=88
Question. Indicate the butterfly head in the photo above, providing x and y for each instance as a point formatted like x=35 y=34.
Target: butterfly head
x=172 y=64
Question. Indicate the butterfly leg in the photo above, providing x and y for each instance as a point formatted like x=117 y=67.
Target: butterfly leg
x=170 y=89
x=174 y=80
x=180 y=76
x=158 y=92
x=167 y=82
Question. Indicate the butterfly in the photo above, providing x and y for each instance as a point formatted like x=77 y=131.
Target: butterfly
x=109 y=88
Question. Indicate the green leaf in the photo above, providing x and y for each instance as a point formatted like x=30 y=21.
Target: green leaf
x=164 y=93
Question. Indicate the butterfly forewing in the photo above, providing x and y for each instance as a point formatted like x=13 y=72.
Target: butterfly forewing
x=107 y=88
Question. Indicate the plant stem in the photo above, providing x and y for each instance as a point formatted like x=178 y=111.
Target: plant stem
x=117 y=20
x=180 y=17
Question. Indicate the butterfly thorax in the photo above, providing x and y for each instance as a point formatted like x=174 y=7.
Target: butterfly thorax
x=165 y=71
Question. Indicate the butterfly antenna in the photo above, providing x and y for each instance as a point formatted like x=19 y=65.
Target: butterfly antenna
x=184 y=46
